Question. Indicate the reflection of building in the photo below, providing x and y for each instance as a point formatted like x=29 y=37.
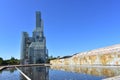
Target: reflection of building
x=33 y=49
x=36 y=72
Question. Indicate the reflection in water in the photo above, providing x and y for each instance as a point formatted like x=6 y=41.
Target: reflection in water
x=60 y=72
x=36 y=72
x=11 y=74
x=96 y=71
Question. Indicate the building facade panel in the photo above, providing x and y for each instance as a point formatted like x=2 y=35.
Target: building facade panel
x=33 y=49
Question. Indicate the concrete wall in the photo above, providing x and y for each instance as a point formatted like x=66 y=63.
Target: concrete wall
x=103 y=56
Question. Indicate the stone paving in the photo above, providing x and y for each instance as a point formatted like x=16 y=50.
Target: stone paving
x=2 y=67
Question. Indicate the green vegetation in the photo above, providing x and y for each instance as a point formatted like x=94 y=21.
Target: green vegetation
x=11 y=61
x=1 y=61
x=14 y=61
x=58 y=57
x=51 y=58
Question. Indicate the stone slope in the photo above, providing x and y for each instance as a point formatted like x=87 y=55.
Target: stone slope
x=103 y=56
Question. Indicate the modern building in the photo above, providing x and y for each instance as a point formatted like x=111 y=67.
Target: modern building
x=33 y=49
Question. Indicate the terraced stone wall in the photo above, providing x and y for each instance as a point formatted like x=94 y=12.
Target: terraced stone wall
x=103 y=56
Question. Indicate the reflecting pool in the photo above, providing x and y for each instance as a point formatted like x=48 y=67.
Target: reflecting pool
x=36 y=72
x=60 y=73
x=11 y=74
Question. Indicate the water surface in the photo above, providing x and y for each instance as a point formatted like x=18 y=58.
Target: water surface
x=60 y=73
x=11 y=74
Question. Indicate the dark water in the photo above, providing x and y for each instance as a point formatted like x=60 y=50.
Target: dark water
x=60 y=73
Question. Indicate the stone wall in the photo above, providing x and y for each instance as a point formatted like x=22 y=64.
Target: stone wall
x=103 y=56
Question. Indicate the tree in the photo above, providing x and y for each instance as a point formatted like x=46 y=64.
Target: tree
x=1 y=61
x=58 y=57
x=13 y=61
x=51 y=58
x=12 y=58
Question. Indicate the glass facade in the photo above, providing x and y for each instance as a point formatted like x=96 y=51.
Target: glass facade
x=33 y=49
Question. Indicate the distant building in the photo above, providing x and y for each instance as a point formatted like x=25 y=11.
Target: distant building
x=33 y=49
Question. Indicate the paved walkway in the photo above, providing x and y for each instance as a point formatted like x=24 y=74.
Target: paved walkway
x=8 y=66
x=2 y=67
